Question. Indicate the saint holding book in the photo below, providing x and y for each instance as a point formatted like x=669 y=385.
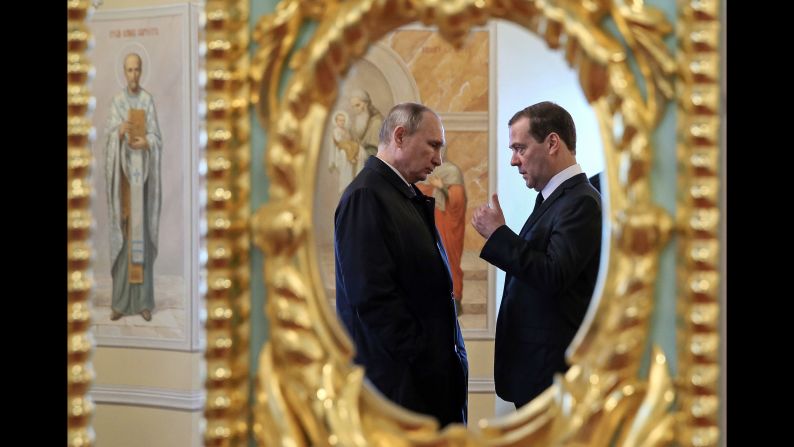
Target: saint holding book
x=133 y=150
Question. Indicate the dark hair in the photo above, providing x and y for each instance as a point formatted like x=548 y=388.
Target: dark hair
x=408 y=115
x=547 y=117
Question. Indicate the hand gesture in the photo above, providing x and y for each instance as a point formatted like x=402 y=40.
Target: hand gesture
x=487 y=218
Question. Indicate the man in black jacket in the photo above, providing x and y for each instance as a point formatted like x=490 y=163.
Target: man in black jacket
x=552 y=264
x=393 y=283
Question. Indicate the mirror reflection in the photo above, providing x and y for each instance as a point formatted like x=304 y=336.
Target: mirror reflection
x=505 y=69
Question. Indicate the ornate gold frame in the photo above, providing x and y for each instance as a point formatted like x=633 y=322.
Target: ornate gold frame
x=228 y=299
x=698 y=223
x=79 y=283
x=309 y=391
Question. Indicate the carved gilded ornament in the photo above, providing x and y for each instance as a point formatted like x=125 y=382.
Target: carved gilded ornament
x=79 y=278
x=309 y=391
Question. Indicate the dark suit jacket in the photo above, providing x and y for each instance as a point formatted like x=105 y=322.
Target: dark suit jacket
x=394 y=294
x=551 y=269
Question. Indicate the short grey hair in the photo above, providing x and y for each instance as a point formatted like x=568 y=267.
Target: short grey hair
x=407 y=115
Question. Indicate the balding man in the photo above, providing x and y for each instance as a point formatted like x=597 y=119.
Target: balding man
x=393 y=282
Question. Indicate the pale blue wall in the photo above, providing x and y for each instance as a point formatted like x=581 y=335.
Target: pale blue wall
x=259 y=186
x=663 y=184
x=259 y=195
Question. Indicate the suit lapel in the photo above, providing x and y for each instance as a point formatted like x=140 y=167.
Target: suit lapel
x=576 y=179
x=426 y=207
x=423 y=204
x=541 y=210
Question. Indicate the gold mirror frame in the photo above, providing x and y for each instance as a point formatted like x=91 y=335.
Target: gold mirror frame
x=309 y=391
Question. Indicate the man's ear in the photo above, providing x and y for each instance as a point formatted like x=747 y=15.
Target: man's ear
x=554 y=142
x=399 y=133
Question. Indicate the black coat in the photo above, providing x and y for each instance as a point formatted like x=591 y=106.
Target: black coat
x=394 y=294
x=551 y=269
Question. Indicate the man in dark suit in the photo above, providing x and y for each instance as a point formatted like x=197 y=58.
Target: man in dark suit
x=393 y=283
x=552 y=264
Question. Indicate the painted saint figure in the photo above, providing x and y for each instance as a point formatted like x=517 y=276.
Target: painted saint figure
x=366 y=124
x=133 y=151
x=345 y=154
x=445 y=184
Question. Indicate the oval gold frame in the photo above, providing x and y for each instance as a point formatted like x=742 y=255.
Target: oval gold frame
x=309 y=391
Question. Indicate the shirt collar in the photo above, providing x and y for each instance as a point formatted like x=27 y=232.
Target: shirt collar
x=558 y=179
x=396 y=172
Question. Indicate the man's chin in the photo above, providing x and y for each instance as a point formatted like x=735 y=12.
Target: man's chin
x=419 y=178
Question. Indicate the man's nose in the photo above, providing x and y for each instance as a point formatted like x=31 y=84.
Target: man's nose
x=514 y=160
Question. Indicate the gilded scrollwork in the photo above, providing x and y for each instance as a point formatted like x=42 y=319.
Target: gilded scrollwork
x=311 y=394
x=307 y=390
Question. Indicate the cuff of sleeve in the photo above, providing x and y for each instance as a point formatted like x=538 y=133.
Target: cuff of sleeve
x=491 y=247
